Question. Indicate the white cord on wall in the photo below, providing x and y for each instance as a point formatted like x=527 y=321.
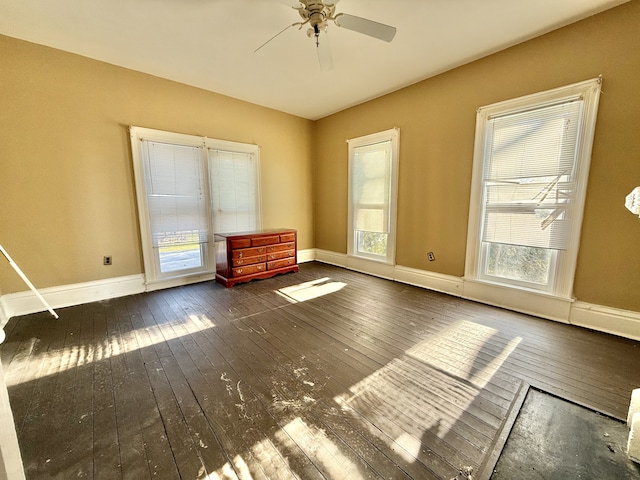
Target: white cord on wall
x=26 y=280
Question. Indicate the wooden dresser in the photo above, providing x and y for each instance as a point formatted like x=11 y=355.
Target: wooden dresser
x=245 y=256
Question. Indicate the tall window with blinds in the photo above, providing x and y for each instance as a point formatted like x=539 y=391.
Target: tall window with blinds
x=189 y=188
x=372 y=193
x=530 y=186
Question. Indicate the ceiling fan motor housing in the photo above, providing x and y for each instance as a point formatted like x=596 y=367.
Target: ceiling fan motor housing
x=317 y=14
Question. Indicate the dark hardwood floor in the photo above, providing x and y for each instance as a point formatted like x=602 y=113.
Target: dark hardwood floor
x=325 y=373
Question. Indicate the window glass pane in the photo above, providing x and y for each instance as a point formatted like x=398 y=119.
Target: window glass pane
x=180 y=257
x=525 y=264
x=372 y=243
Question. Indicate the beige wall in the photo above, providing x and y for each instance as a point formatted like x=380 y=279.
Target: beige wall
x=437 y=121
x=67 y=193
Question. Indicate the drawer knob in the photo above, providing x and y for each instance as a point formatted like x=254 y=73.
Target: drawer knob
x=240 y=262
x=239 y=270
x=240 y=255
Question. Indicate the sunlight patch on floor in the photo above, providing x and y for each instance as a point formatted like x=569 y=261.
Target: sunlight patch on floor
x=425 y=392
x=464 y=351
x=80 y=354
x=310 y=290
x=314 y=443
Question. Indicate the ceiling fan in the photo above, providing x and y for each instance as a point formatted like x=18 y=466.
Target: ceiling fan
x=318 y=13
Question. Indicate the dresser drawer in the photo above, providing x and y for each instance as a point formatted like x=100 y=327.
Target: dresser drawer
x=281 y=246
x=281 y=254
x=258 y=241
x=247 y=270
x=240 y=243
x=288 y=237
x=248 y=252
x=240 y=261
x=280 y=263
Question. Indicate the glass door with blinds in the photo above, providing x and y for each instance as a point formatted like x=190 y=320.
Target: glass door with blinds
x=176 y=193
x=189 y=188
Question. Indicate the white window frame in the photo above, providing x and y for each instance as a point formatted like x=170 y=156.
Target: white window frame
x=393 y=136
x=563 y=262
x=154 y=277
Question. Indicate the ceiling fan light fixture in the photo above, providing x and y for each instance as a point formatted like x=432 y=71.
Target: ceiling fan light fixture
x=317 y=13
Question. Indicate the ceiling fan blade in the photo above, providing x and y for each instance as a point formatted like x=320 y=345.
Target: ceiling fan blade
x=277 y=34
x=324 y=53
x=368 y=27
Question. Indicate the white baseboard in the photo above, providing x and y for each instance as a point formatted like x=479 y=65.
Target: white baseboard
x=4 y=315
x=308 y=255
x=332 y=258
x=523 y=301
x=23 y=303
x=430 y=280
x=623 y=323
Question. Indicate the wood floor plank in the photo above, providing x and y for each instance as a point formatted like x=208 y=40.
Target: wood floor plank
x=106 y=453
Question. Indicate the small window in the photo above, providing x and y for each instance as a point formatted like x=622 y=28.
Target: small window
x=373 y=178
x=531 y=165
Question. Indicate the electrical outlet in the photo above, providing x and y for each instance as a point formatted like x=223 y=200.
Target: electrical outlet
x=431 y=256
x=107 y=260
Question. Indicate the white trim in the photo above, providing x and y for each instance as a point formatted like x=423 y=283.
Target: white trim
x=371 y=267
x=308 y=255
x=23 y=303
x=332 y=258
x=625 y=323
x=4 y=312
x=178 y=281
x=10 y=458
x=431 y=280
x=520 y=300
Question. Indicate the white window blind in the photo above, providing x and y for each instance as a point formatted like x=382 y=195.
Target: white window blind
x=529 y=176
x=233 y=191
x=372 y=187
x=176 y=194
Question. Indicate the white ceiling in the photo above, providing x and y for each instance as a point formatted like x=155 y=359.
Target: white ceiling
x=210 y=43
